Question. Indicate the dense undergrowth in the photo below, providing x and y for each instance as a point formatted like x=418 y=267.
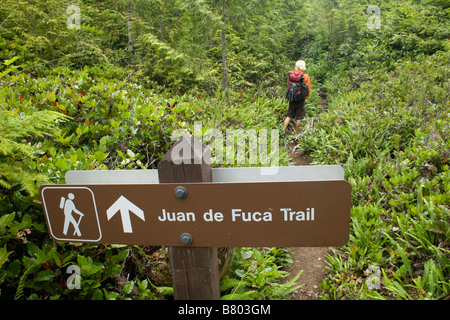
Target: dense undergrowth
x=392 y=136
x=112 y=93
x=89 y=122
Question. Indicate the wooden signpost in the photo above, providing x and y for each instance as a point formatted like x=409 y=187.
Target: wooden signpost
x=194 y=215
x=195 y=271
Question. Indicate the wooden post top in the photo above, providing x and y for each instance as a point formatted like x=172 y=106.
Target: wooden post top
x=188 y=160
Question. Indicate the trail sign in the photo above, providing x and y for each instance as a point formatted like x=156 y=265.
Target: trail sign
x=307 y=213
x=194 y=209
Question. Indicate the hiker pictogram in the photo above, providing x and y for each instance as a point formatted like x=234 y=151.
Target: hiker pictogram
x=69 y=207
x=71 y=213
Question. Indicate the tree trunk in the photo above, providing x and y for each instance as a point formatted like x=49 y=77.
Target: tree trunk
x=33 y=27
x=224 y=55
x=129 y=27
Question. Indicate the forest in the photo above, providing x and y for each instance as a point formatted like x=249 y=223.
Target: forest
x=105 y=84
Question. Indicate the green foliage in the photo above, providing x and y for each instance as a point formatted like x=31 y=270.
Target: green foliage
x=391 y=136
x=31 y=267
x=14 y=148
x=19 y=129
x=340 y=36
x=256 y=274
x=111 y=93
x=82 y=120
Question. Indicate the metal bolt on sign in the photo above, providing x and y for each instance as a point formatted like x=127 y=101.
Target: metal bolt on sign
x=186 y=239
x=180 y=192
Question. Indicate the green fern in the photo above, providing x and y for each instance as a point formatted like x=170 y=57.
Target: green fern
x=16 y=135
x=283 y=290
x=20 y=286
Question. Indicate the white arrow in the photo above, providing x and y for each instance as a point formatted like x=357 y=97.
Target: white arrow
x=125 y=206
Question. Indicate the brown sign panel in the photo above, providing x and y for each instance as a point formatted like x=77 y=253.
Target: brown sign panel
x=303 y=214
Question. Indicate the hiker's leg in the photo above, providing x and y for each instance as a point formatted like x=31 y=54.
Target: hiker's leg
x=76 y=228
x=297 y=126
x=289 y=115
x=66 y=225
x=299 y=115
x=286 y=123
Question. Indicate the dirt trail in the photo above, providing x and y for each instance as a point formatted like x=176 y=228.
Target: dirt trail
x=310 y=260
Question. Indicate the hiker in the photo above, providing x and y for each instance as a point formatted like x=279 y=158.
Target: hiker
x=69 y=207
x=297 y=100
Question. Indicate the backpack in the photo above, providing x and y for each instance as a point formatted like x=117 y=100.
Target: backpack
x=298 y=89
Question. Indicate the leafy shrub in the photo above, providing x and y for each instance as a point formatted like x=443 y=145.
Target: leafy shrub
x=85 y=120
x=392 y=137
x=256 y=273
